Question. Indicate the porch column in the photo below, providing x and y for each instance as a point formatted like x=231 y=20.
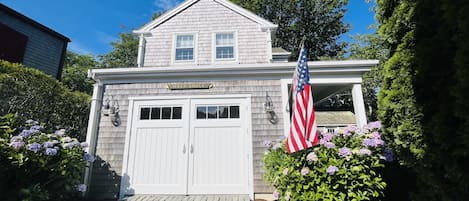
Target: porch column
x=359 y=104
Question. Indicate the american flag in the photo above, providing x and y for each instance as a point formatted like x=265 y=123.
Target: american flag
x=303 y=128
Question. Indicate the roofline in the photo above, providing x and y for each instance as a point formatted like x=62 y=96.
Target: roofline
x=119 y=75
x=32 y=22
x=265 y=24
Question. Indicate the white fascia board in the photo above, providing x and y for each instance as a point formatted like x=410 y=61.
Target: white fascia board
x=168 y=15
x=260 y=71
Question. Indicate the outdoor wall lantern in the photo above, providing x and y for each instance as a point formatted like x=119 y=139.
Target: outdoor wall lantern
x=269 y=109
x=111 y=108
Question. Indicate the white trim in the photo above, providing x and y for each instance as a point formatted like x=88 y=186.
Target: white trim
x=286 y=115
x=92 y=131
x=195 y=49
x=168 y=15
x=269 y=45
x=359 y=104
x=345 y=69
x=124 y=182
x=246 y=98
x=235 y=47
x=141 y=50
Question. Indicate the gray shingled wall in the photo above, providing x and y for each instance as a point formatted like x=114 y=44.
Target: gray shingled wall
x=110 y=142
x=43 y=51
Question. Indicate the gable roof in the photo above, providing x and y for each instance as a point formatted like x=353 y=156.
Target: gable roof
x=168 y=15
x=11 y=12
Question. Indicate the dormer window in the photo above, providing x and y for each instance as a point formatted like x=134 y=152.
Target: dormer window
x=224 y=46
x=184 y=47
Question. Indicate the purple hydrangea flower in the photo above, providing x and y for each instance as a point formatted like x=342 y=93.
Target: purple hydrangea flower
x=304 y=171
x=267 y=143
x=36 y=127
x=26 y=133
x=329 y=145
x=332 y=170
x=276 y=194
x=349 y=129
x=364 y=151
x=51 y=151
x=16 y=138
x=281 y=138
x=67 y=139
x=81 y=188
x=372 y=142
x=373 y=125
x=312 y=157
x=344 y=152
x=88 y=157
x=375 y=135
x=48 y=144
x=60 y=132
x=32 y=122
x=327 y=137
x=34 y=147
x=17 y=144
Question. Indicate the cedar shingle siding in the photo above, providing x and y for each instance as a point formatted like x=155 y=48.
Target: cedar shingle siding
x=110 y=143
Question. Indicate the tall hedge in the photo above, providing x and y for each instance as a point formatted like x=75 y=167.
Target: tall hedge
x=423 y=102
x=31 y=94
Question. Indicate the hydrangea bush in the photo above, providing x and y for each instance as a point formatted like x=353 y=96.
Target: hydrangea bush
x=344 y=165
x=35 y=165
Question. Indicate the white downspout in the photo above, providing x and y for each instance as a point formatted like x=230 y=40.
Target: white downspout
x=141 y=50
x=359 y=104
x=91 y=135
x=269 y=44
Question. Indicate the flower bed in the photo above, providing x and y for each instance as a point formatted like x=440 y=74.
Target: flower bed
x=344 y=166
x=40 y=166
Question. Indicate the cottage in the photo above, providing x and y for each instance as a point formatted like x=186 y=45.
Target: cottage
x=208 y=90
x=28 y=42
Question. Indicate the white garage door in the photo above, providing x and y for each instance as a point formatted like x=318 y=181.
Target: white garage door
x=189 y=146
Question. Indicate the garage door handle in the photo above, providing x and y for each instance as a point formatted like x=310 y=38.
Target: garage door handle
x=192 y=149
x=184 y=149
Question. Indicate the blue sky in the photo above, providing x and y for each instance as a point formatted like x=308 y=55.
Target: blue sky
x=93 y=24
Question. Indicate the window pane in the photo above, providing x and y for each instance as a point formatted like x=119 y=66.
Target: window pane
x=184 y=54
x=225 y=39
x=225 y=52
x=177 y=111
x=144 y=113
x=222 y=112
x=234 y=112
x=212 y=112
x=201 y=112
x=156 y=113
x=166 y=113
x=185 y=41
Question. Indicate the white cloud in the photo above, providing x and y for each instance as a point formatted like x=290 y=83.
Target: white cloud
x=164 y=5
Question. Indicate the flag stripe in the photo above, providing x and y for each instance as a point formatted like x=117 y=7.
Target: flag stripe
x=303 y=128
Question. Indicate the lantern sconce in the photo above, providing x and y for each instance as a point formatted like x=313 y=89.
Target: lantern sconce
x=269 y=109
x=111 y=108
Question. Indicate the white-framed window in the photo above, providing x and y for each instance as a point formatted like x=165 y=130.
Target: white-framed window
x=225 y=46
x=184 y=47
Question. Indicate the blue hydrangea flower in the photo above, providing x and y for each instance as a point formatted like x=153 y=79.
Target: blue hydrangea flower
x=373 y=125
x=51 y=151
x=60 y=132
x=88 y=157
x=16 y=138
x=17 y=144
x=48 y=144
x=36 y=127
x=344 y=152
x=332 y=170
x=327 y=137
x=26 y=133
x=81 y=188
x=372 y=142
x=34 y=147
x=349 y=129
x=375 y=135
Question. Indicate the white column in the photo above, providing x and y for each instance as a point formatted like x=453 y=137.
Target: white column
x=359 y=104
x=141 y=50
x=95 y=111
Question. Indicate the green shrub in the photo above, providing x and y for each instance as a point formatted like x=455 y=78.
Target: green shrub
x=29 y=93
x=344 y=166
x=39 y=166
